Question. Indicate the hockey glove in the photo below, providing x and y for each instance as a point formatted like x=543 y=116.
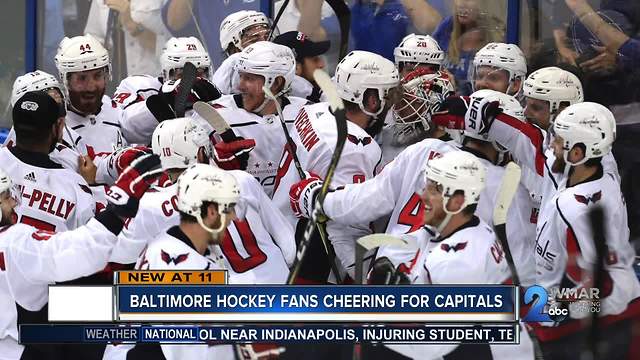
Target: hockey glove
x=125 y=194
x=303 y=194
x=162 y=104
x=384 y=273
x=233 y=155
x=451 y=112
x=473 y=114
x=123 y=157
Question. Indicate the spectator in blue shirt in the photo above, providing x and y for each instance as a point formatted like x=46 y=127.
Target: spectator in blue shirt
x=378 y=26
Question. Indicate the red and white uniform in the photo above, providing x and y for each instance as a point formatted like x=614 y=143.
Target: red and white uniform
x=314 y=133
x=257 y=250
x=266 y=130
x=53 y=198
x=565 y=246
x=136 y=88
x=31 y=259
x=470 y=255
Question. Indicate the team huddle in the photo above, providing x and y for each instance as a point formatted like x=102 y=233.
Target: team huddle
x=91 y=183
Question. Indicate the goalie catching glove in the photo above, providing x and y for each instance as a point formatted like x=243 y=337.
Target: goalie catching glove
x=132 y=183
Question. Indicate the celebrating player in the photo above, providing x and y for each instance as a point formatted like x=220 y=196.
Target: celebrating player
x=500 y=67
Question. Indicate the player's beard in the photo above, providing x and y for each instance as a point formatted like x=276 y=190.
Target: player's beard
x=87 y=102
x=9 y=219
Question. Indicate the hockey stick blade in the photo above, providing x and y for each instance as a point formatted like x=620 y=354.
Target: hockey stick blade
x=341 y=123
x=508 y=187
x=186 y=83
x=376 y=240
x=216 y=121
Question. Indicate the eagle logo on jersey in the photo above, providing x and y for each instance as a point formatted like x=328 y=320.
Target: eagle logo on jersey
x=356 y=140
x=586 y=199
x=176 y=260
x=456 y=247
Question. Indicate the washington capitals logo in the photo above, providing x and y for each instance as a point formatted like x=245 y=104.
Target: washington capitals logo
x=456 y=247
x=586 y=199
x=176 y=260
x=356 y=140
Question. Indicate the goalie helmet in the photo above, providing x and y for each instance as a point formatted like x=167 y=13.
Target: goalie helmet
x=179 y=51
x=509 y=106
x=202 y=183
x=80 y=53
x=362 y=70
x=555 y=86
x=269 y=60
x=457 y=170
x=234 y=25
x=178 y=141
x=421 y=49
x=586 y=123
x=33 y=81
x=422 y=94
x=502 y=56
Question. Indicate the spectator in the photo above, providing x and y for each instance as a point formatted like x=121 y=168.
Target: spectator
x=144 y=34
x=462 y=34
x=378 y=26
x=202 y=19
x=309 y=57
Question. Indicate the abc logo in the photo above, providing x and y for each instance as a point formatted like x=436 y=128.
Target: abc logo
x=537 y=296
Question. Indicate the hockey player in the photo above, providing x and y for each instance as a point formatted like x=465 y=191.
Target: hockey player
x=418 y=52
x=252 y=115
x=237 y=32
x=367 y=83
x=263 y=233
x=500 y=67
x=175 y=54
x=573 y=183
x=55 y=198
x=465 y=251
x=31 y=258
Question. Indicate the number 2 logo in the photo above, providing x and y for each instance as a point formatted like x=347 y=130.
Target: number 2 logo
x=538 y=295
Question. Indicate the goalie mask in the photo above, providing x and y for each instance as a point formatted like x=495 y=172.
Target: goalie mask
x=415 y=50
x=422 y=93
x=202 y=183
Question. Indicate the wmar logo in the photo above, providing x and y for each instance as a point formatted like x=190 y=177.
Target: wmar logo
x=537 y=296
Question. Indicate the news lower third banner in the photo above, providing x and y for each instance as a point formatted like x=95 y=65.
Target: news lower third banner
x=233 y=334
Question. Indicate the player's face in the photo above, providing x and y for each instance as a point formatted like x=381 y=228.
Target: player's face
x=558 y=151
x=488 y=77
x=309 y=65
x=216 y=221
x=537 y=112
x=253 y=34
x=7 y=206
x=433 y=204
x=251 y=89
x=86 y=89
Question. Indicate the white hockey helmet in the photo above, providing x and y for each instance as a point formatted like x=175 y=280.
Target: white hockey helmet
x=269 y=60
x=502 y=56
x=362 y=70
x=422 y=94
x=5 y=185
x=80 y=53
x=177 y=142
x=234 y=25
x=586 y=123
x=554 y=85
x=457 y=170
x=422 y=49
x=178 y=51
x=509 y=105
x=204 y=183
x=33 y=81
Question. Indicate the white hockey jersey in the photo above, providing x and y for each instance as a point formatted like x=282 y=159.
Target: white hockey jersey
x=135 y=88
x=315 y=135
x=257 y=249
x=565 y=245
x=265 y=130
x=53 y=198
x=470 y=255
x=31 y=259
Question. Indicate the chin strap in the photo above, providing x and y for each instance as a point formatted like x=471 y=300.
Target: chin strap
x=214 y=232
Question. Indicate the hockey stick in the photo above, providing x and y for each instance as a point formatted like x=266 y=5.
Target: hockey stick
x=370 y=242
x=275 y=21
x=343 y=13
x=217 y=122
x=186 y=83
x=337 y=106
x=506 y=192
x=292 y=150
x=597 y=224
